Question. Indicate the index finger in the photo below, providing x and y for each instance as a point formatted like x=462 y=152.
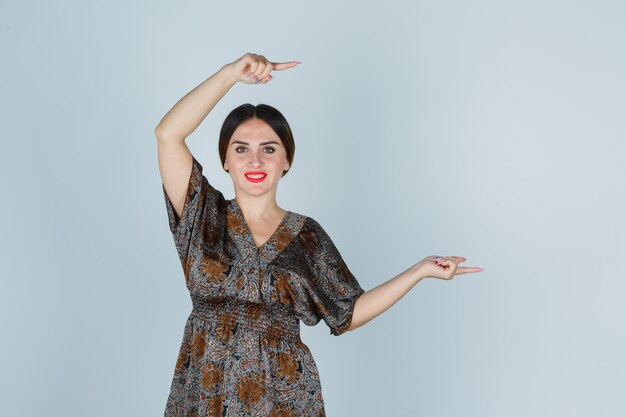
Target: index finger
x=279 y=66
x=467 y=269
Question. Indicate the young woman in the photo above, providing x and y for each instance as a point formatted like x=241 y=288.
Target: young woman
x=253 y=269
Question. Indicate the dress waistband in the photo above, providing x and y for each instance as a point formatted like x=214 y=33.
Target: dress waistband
x=269 y=320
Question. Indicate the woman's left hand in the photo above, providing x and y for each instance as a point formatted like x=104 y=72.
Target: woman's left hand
x=443 y=267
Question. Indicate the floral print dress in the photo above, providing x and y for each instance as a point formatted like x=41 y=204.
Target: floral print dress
x=241 y=352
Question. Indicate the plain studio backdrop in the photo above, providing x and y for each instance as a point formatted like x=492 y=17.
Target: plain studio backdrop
x=491 y=130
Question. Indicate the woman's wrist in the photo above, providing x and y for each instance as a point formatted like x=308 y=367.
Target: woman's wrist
x=227 y=76
x=416 y=272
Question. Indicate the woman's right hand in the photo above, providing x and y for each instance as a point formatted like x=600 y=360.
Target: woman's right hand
x=255 y=69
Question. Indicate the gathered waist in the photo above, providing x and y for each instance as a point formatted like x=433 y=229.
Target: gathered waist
x=270 y=320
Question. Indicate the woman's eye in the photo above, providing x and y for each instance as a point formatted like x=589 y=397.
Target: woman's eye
x=271 y=149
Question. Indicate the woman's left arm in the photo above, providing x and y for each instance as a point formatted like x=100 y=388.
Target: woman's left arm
x=377 y=300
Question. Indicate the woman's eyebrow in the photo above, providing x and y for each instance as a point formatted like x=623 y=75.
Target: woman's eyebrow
x=260 y=144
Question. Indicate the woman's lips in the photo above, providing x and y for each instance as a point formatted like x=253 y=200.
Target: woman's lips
x=250 y=176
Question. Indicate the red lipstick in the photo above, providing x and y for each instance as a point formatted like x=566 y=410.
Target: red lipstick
x=260 y=174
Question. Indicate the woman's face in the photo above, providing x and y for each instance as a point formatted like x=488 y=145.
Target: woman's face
x=255 y=148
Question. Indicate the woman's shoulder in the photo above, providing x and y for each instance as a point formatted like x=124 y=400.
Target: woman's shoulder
x=308 y=223
x=310 y=232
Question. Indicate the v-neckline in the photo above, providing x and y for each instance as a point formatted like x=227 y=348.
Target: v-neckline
x=248 y=233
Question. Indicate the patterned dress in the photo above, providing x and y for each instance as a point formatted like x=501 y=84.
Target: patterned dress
x=241 y=352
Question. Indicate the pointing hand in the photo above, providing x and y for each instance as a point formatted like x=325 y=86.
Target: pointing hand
x=255 y=69
x=445 y=267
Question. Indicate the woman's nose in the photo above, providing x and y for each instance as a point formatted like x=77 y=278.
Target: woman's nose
x=255 y=159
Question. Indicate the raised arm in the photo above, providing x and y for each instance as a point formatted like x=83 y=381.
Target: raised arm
x=191 y=110
x=175 y=159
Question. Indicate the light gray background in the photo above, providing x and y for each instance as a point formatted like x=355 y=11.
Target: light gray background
x=490 y=130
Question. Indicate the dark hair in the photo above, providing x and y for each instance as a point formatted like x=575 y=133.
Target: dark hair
x=267 y=113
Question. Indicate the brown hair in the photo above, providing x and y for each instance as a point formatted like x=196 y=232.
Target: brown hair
x=267 y=113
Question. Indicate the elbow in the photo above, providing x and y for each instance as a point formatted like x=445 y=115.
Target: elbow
x=159 y=128
x=163 y=136
x=158 y=132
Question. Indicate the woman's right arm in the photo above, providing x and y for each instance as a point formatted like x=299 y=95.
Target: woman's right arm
x=192 y=109
x=175 y=159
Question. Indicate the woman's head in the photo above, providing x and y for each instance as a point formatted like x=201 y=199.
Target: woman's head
x=256 y=138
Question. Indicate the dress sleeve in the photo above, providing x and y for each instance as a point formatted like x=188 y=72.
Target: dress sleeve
x=331 y=287
x=200 y=211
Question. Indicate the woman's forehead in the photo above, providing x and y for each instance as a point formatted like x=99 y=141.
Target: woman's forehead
x=254 y=133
